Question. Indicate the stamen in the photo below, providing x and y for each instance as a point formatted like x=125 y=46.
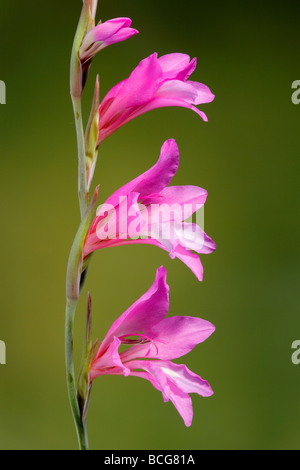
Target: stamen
x=143 y=339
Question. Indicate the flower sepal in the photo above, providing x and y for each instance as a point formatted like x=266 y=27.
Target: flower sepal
x=84 y=384
x=91 y=137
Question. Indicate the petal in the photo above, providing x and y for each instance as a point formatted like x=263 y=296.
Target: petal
x=122 y=35
x=175 y=381
x=103 y=31
x=113 y=224
x=182 y=401
x=104 y=34
x=177 y=89
x=135 y=91
x=185 y=379
x=183 y=404
x=177 y=66
x=156 y=178
x=167 y=371
x=117 y=225
x=192 y=237
x=164 y=102
x=191 y=260
x=176 y=203
x=104 y=362
x=152 y=307
x=172 y=337
x=191 y=92
x=204 y=95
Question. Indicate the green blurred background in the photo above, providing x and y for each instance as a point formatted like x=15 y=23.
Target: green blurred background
x=246 y=156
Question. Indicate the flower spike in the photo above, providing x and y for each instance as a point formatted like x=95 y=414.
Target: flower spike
x=103 y=35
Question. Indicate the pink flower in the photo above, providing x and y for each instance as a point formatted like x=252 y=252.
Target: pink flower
x=153 y=341
x=147 y=210
x=154 y=83
x=104 y=34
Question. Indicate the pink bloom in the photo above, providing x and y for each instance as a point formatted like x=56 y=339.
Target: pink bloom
x=153 y=341
x=147 y=210
x=104 y=34
x=154 y=83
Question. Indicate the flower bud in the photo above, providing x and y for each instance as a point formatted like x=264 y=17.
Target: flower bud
x=86 y=23
x=91 y=136
x=84 y=385
x=104 y=34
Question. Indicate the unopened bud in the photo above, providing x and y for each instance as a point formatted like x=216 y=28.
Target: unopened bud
x=91 y=136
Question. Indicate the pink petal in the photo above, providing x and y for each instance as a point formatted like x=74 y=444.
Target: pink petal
x=191 y=260
x=135 y=91
x=122 y=35
x=185 y=379
x=105 y=31
x=177 y=66
x=182 y=401
x=172 y=337
x=104 y=34
x=192 y=237
x=175 y=381
x=104 y=362
x=112 y=224
x=204 y=95
x=149 y=309
x=177 y=89
x=156 y=178
x=164 y=102
x=176 y=203
x=167 y=371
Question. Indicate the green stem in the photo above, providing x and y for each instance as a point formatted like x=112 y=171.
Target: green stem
x=82 y=185
x=80 y=425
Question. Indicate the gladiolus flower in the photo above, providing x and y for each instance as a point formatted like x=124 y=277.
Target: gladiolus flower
x=153 y=340
x=154 y=83
x=104 y=34
x=147 y=210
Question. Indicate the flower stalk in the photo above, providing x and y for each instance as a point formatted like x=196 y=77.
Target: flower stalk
x=77 y=82
x=80 y=423
x=74 y=284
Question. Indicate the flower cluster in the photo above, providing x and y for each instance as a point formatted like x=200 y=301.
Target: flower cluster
x=143 y=341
